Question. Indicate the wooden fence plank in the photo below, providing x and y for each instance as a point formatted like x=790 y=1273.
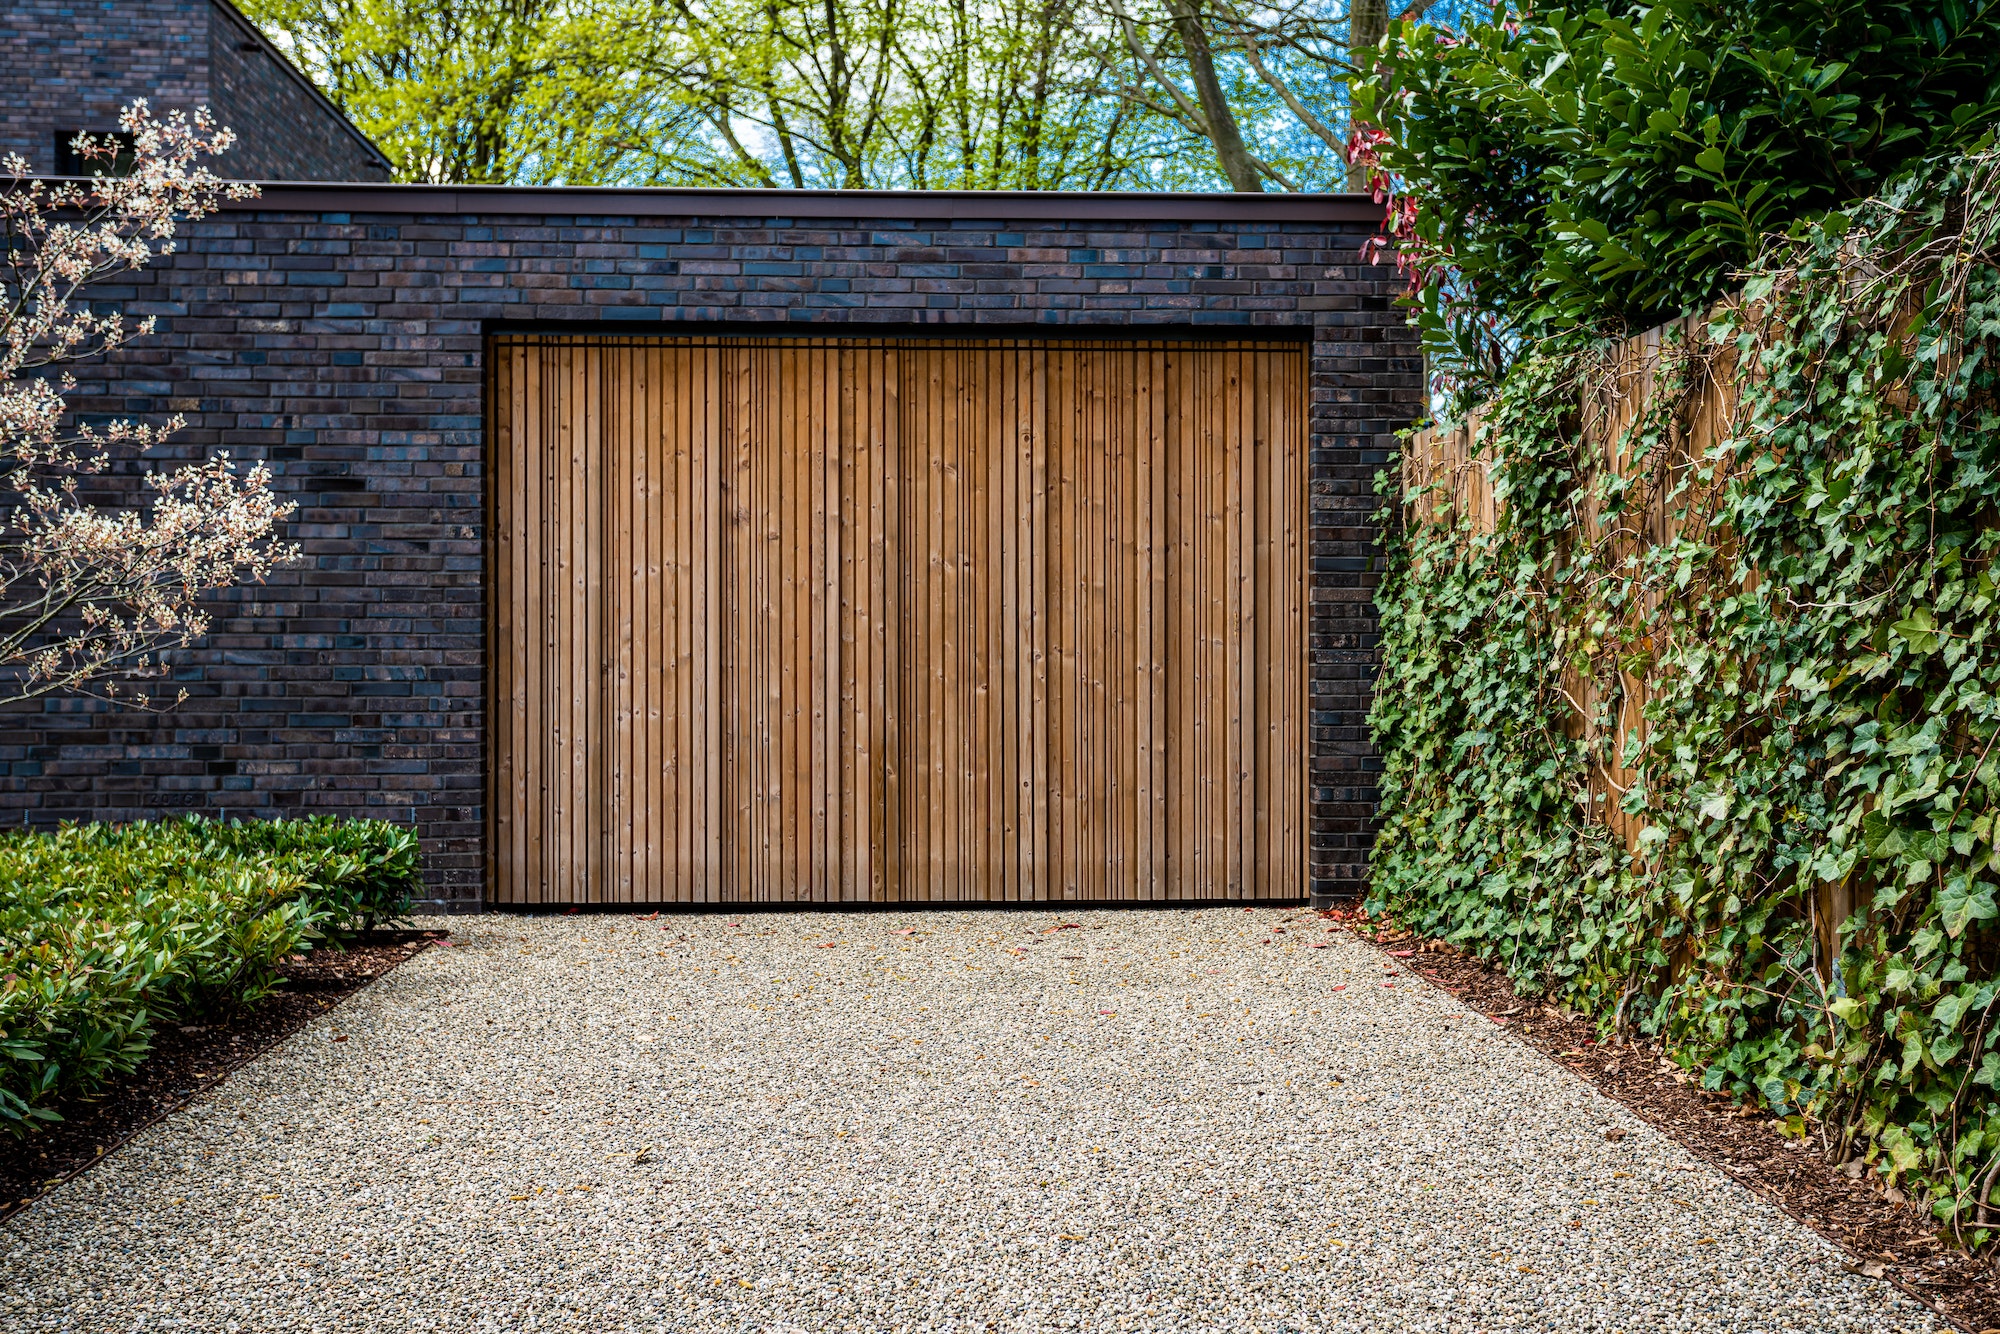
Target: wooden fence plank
x=1447 y=480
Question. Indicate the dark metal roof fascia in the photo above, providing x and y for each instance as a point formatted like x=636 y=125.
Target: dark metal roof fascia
x=897 y=205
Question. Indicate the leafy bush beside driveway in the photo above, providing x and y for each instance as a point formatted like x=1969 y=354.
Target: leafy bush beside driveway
x=105 y=931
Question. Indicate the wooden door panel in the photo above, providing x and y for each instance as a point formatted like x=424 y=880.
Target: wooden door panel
x=845 y=619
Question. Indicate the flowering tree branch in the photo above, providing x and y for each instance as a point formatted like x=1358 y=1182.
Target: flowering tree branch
x=93 y=593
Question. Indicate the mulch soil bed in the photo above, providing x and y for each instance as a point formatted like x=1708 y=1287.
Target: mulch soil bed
x=187 y=1059
x=1884 y=1238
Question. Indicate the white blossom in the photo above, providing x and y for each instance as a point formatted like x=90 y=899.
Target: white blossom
x=93 y=593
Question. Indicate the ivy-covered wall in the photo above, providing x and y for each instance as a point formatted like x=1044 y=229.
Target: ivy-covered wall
x=1809 y=917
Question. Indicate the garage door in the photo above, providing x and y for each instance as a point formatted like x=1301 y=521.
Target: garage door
x=935 y=620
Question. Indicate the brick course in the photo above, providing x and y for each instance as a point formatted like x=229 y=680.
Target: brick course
x=72 y=66
x=345 y=345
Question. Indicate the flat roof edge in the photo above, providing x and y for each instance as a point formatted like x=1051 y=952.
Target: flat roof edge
x=912 y=205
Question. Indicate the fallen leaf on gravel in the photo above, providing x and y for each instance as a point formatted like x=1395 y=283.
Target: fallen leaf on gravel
x=1865 y=1268
x=1388 y=984
x=1109 y=1012
x=1527 y=1269
x=517 y=1198
x=1320 y=945
x=906 y=931
x=1341 y=987
x=826 y=945
x=1401 y=954
x=340 y=1037
x=1614 y=1134
x=1069 y=1236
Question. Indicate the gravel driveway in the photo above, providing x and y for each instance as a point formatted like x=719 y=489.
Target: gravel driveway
x=914 y=1121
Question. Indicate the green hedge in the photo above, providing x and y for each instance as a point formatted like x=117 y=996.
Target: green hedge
x=107 y=930
x=1811 y=919
x=1611 y=164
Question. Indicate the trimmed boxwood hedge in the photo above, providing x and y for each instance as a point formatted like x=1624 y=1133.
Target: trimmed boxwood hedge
x=107 y=930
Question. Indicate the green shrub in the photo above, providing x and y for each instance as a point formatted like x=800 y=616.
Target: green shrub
x=106 y=930
x=357 y=871
x=1607 y=164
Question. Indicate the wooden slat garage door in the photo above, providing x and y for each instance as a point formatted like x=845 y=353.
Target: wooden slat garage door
x=845 y=619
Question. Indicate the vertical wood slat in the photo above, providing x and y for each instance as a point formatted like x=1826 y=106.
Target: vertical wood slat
x=852 y=619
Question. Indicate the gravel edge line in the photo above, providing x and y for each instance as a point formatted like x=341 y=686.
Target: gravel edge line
x=1706 y=1124
x=215 y=1052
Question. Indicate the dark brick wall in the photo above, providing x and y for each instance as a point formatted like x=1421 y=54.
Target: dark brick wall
x=345 y=347
x=286 y=130
x=67 y=66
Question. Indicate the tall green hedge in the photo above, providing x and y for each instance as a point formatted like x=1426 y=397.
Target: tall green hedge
x=1821 y=654
x=107 y=930
x=1609 y=164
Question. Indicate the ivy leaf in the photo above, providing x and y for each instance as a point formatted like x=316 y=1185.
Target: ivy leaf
x=1962 y=901
x=1903 y=1154
x=1918 y=630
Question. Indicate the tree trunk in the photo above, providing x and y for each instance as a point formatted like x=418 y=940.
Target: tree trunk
x=1367 y=20
x=1221 y=121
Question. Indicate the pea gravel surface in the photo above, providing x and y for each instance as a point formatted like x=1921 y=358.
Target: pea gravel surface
x=977 y=1121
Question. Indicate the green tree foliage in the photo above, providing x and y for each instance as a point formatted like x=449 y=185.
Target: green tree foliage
x=1811 y=918
x=475 y=91
x=925 y=94
x=1262 y=87
x=1608 y=166
x=893 y=93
